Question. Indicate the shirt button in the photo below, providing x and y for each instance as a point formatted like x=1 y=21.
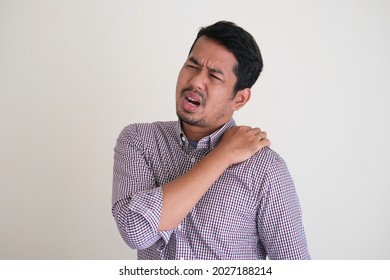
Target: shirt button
x=193 y=160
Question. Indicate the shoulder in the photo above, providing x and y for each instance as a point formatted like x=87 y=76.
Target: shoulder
x=141 y=132
x=276 y=177
x=267 y=164
x=267 y=158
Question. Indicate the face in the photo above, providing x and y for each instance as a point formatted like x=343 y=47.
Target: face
x=204 y=90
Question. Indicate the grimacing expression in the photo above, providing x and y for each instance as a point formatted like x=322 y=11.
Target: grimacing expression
x=204 y=90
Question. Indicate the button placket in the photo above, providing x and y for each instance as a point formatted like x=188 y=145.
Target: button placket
x=180 y=241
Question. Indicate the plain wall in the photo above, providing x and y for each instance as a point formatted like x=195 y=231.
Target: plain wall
x=74 y=73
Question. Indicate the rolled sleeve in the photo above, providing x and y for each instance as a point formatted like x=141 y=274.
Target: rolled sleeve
x=149 y=206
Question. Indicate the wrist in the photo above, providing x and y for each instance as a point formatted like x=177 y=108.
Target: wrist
x=222 y=156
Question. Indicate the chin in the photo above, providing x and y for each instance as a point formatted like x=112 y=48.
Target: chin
x=185 y=118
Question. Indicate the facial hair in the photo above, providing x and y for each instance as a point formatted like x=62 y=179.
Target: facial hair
x=185 y=117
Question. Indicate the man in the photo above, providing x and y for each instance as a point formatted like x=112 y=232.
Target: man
x=201 y=187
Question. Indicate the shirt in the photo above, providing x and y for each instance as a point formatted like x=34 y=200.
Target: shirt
x=251 y=212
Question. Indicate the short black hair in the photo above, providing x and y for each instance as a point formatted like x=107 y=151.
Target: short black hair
x=244 y=47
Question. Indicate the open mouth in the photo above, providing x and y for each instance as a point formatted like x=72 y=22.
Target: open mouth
x=192 y=101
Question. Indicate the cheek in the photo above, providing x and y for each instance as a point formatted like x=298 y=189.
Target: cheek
x=182 y=76
x=179 y=83
x=224 y=103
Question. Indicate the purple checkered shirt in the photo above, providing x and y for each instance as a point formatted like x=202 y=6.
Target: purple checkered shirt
x=251 y=212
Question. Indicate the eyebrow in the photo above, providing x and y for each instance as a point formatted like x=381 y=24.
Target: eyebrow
x=214 y=70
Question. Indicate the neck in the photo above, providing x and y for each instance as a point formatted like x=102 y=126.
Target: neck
x=195 y=133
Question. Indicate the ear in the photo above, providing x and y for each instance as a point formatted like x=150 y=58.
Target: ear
x=241 y=98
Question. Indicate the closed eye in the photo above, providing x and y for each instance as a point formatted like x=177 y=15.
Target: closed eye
x=192 y=66
x=216 y=77
x=193 y=63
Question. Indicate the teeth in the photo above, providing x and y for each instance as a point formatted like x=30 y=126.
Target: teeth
x=193 y=101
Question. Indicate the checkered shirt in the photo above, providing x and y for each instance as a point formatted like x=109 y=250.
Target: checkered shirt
x=251 y=212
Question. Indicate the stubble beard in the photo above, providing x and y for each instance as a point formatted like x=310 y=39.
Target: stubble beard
x=185 y=116
x=199 y=122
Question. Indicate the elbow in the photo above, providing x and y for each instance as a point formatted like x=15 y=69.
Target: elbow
x=136 y=241
x=136 y=231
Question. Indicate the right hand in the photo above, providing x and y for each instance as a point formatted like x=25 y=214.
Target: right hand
x=241 y=142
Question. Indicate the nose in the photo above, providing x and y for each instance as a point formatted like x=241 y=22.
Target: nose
x=198 y=80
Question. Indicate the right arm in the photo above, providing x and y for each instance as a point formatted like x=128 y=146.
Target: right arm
x=182 y=194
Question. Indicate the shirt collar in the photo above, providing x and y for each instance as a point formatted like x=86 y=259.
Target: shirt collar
x=207 y=142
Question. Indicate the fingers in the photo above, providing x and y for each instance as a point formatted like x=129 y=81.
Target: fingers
x=265 y=142
x=241 y=142
x=259 y=134
x=248 y=132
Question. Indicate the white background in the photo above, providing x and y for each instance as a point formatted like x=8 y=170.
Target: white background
x=74 y=73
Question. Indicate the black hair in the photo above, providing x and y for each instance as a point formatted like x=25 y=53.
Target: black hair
x=244 y=47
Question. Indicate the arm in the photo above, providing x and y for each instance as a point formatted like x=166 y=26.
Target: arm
x=182 y=194
x=145 y=212
x=136 y=200
x=280 y=224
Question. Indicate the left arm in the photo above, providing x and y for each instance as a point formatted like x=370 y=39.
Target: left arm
x=279 y=220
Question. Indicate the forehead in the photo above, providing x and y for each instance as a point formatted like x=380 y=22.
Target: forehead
x=212 y=54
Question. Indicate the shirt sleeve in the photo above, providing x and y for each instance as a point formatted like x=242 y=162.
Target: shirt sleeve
x=279 y=221
x=136 y=200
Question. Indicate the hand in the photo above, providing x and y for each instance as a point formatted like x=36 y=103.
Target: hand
x=241 y=142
